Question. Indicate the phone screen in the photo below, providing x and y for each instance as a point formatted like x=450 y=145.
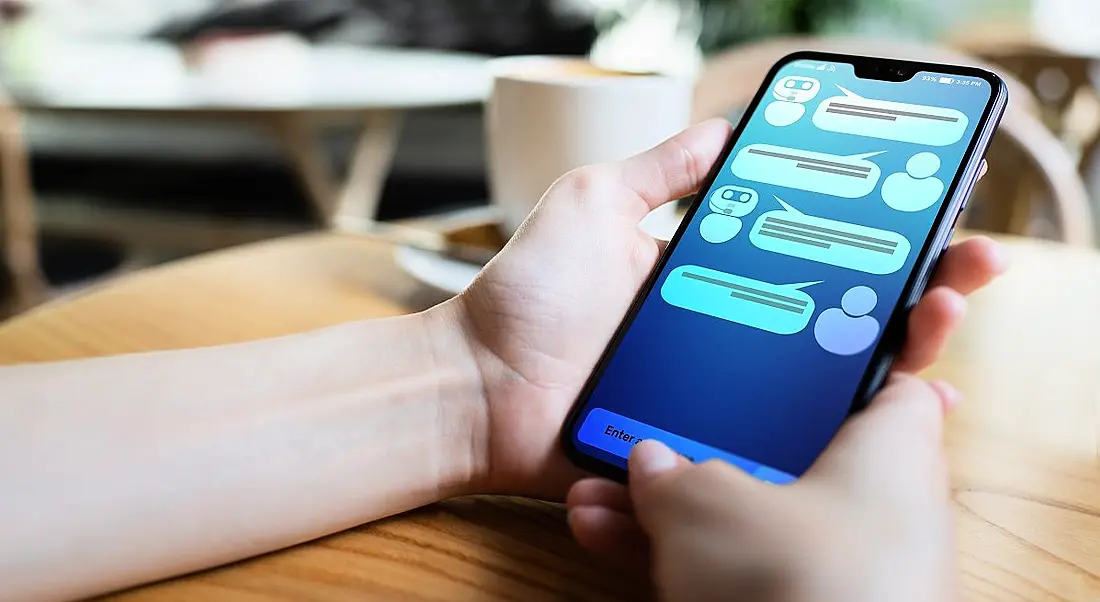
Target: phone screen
x=763 y=322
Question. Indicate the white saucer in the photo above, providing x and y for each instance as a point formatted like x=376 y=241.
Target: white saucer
x=435 y=269
x=453 y=276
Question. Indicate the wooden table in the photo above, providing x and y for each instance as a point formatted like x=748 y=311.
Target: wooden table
x=1024 y=447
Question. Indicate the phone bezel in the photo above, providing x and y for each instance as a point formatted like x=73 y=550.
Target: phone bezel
x=940 y=235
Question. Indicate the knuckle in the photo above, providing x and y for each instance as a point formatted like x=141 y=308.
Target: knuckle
x=900 y=382
x=928 y=419
x=690 y=478
x=714 y=491
x=712 y=469
x=716 y=473
x=689 y=163
x=921 y=408
x=582 y=182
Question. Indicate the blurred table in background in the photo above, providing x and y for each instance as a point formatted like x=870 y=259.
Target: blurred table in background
x=1023 y=447
x=18 y=228
x=288 y=87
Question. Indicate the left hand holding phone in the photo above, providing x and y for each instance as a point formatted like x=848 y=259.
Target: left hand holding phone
x=870 y=522
x=540 y=314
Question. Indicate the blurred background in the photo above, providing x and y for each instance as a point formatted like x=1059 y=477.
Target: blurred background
x=134 y=132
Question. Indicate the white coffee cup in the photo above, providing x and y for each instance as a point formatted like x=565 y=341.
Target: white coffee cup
x=548 y=115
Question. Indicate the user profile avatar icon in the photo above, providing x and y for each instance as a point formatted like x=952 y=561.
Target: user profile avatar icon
x=729 y=204
x=916 y=188
x=790 y=94
x=848 y=329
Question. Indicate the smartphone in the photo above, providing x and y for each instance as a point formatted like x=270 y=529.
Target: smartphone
x=780 y=303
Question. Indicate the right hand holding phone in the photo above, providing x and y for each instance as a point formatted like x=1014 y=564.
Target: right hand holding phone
x=870 y=522
x=540 y=314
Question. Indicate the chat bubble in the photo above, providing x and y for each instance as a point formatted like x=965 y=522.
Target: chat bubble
x=899 y=121
x=788 y=231
x=848 y=177
x=777 y=308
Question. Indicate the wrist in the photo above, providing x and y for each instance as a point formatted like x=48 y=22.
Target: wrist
x=451 y=360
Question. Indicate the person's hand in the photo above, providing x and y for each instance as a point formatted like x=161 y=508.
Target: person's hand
x=870 y=522
x=540 y=314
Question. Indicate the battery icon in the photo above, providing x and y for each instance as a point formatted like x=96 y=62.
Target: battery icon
x=946 y=80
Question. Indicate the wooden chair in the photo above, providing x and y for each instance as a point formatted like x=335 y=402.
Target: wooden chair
x=1026 y=162
x=1059 y=79
x=18 y=230
x=1062 y=82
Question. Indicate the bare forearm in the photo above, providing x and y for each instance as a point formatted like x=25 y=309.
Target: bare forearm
x=122 y=470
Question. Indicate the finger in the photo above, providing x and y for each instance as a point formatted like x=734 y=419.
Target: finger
x=600 y=492
x=950 y=397
x=655 y=471
x=901 y=432
x=931 y=325
x=971 y=264
x=670 y=494
x=676 y=167
x=910 y=404
x=983 y=169
x=611 y=535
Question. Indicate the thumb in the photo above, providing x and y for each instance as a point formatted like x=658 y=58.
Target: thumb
x=669 y=493
x=899 y=434
x=675 y=168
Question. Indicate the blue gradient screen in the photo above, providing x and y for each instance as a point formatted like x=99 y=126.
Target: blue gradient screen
x=753 y=342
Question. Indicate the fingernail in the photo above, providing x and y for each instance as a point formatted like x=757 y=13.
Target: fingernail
x=651 y=458
x=1001 y=258
x=575 y=517
x=960 y=305
x=950 y=395
x=571 y=516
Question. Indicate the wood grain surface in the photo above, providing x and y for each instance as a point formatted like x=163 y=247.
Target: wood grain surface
x=1023 y=448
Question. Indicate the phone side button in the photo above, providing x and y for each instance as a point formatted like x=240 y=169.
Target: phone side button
x=880 y=376
x=969 y=188
x=950 y=235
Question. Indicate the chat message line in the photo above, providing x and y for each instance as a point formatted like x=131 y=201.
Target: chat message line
x=849 y=177
x=790 y=232
x=777 y=308
x=888 y=120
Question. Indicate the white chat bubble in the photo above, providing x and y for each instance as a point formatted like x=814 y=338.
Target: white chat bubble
x=898 y=121
x=790 y=232
x=779 y=308
x=848 y=177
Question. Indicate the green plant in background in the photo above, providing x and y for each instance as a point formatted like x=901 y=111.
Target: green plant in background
x=724 y=23
x=721 y=24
